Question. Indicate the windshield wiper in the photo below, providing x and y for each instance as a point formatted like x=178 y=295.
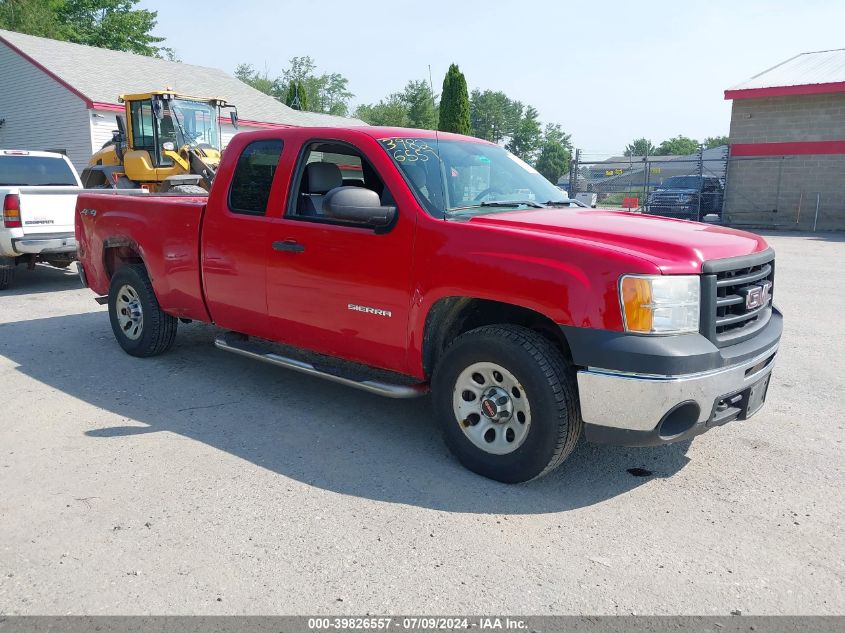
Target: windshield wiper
x=499 y=204
x=511 y=203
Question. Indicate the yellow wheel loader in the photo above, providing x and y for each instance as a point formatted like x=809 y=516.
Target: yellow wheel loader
x=164 y=142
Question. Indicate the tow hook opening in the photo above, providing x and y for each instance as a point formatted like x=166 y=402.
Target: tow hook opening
x=680 y=419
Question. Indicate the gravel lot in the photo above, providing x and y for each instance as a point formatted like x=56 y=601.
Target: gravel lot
x=202 y=482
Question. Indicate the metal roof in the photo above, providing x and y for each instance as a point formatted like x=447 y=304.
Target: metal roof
x=806 y=69
x=99 y=75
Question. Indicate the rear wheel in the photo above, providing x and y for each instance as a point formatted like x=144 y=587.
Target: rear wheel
x=7 y=271
x=138 y=322
x=506 y=401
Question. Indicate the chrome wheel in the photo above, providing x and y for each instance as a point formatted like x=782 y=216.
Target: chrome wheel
x=491 y=408
x=130 y=317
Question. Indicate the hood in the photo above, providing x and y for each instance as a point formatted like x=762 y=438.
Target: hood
x=674 y=246
x=675 y=190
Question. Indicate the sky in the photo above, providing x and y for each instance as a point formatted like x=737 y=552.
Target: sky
x=607 y=71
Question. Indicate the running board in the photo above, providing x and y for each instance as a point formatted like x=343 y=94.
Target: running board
x=241 y=346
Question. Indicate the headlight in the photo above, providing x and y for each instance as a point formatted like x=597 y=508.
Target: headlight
x=685 y=198
x=657 y=304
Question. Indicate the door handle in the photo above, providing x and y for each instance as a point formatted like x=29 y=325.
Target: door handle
x=288 y=245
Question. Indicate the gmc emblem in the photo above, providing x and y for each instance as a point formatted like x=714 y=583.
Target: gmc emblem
x=757 y=296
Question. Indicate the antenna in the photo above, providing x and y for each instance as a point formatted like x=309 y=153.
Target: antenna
x=431 y=84
x=441 y=168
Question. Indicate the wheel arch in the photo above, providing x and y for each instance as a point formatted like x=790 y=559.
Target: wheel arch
x=449 y=317
x=118 y=252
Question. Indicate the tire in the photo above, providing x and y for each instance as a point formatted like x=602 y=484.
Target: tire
x=150 y=331
x=7 y=272
x=190 y=190
x=533 y=433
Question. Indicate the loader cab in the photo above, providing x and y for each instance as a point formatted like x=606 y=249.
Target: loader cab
x=161 y=124
x=165 y=140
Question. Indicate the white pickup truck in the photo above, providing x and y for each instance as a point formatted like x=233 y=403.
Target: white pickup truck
x=38 y=191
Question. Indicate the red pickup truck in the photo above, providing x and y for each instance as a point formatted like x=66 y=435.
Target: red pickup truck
x=399 y=261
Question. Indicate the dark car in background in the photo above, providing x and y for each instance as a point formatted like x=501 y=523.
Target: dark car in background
x=687 y=197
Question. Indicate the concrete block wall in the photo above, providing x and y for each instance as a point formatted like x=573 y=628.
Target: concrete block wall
x=788 y=119
x=781 y=191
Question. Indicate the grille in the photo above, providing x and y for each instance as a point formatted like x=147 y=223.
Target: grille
x=730 y=317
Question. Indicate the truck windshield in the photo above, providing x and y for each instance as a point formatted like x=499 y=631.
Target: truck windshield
x=35 y=171
x=193 y=123
x=465 y=178
x=681 y=182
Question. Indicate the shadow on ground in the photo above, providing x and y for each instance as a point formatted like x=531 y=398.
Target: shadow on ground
x=43 y=278
x=314 y=431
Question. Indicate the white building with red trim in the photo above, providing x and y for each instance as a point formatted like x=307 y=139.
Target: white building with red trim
x=60 y=96
x=787 y=145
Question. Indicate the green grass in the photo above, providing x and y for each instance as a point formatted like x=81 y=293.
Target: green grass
x=615 y=199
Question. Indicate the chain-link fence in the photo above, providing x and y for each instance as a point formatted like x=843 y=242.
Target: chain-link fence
x=689 y=187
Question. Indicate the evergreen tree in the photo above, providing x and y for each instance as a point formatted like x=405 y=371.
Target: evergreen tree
x=454 y=103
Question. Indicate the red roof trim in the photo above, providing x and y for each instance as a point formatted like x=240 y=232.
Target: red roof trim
x=112 y=107
x=47 y=71
x=800 y=148
x=786 y=91
x=262 y=124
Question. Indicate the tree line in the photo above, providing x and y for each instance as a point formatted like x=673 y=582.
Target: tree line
x=487 y=114
x=675 y=146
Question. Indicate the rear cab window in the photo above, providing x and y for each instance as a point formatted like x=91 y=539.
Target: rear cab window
x=35 y=171
x=253 y=177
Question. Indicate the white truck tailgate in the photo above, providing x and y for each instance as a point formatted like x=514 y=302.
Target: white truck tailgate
x=47 y=209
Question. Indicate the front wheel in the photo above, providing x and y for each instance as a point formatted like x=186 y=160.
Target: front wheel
x=138 y=322
x=507 y=404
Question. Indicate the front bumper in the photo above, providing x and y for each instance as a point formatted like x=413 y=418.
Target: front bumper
x=635 y=403
x=45 y=244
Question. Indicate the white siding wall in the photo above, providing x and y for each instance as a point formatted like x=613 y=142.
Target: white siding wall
x=229 y=131
x=40 y=113
x=103 y=123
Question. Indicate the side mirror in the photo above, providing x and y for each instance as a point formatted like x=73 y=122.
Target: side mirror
x=233 y=117
x=358 y=205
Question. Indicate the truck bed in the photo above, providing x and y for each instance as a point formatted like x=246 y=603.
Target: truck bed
x=164 y=228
